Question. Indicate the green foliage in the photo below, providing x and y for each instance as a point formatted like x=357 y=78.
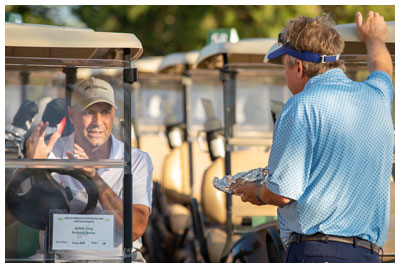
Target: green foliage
x=31 y=14
x=167 y=29
x=347 y=14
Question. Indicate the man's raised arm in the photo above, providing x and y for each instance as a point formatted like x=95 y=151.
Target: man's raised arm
x=373 y=32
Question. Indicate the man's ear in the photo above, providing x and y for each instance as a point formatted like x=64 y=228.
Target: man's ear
x=299 y=68
x=70 y=113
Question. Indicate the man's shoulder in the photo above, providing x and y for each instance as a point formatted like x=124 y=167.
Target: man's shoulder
x=141 y=159
x=380 y=74
x=379 y=78
x=296 y=103
x=382 y=83
x=136 y=153
x=120 y=143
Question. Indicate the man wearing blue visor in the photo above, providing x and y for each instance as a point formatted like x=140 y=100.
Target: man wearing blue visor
x=331 y=158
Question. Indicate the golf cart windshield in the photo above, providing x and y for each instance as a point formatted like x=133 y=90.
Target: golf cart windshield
x=53 y=213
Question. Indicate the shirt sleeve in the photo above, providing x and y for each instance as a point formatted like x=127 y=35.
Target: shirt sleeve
x=142 y=172
x=381 y=81
x=290 y=158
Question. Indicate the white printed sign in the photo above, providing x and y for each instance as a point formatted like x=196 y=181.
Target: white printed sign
x=84 y=232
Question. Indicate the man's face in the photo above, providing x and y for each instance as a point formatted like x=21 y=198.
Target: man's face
x=293 y=77
x=290 y=75
x=93 y=125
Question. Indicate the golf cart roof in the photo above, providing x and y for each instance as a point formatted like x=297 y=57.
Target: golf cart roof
x=354 y=51
x=245 y=51
x=176 y=62
x=30 y=44
x=148 y=65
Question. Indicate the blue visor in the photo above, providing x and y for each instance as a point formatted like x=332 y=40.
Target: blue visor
x=285 y=48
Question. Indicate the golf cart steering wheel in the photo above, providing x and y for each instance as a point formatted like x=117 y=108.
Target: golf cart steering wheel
x=32 y=208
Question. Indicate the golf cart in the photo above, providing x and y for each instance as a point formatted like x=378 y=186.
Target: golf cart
x=252 y=95
x=41 y=66
x=164 y=132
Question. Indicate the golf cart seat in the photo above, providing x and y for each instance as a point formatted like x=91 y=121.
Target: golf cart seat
x=213 y=200
x=176 y=182
x=175 y=176
x=216 y=239
x=214 y=204
x=158 y=151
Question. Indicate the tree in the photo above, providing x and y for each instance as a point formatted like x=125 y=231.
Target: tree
x=167 y=29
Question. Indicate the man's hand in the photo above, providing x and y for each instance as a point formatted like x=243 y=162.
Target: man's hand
x=36 y=148
x=247 y=192
x=373 y=32
x=374 y=28
x=79 y=153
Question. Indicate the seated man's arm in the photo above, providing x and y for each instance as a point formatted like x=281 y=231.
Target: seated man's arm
x=140 y=217
x=109 y=200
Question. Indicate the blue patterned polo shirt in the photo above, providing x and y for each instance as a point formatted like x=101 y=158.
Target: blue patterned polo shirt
x=332 y=155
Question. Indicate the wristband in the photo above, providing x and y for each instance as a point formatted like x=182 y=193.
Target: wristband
x=258 y=190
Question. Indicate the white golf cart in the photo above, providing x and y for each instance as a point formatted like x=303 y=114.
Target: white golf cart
x=41 y=64
x=250 y=95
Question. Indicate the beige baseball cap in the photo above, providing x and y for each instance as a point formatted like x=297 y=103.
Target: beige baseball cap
x=91 y=91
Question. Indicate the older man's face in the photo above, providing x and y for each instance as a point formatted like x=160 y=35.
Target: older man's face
x=293 y=80
x=93 y=125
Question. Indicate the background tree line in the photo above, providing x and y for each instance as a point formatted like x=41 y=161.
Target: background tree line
x=166 y=29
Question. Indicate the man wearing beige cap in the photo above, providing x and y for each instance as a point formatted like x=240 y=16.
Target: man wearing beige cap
x=92 y=113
